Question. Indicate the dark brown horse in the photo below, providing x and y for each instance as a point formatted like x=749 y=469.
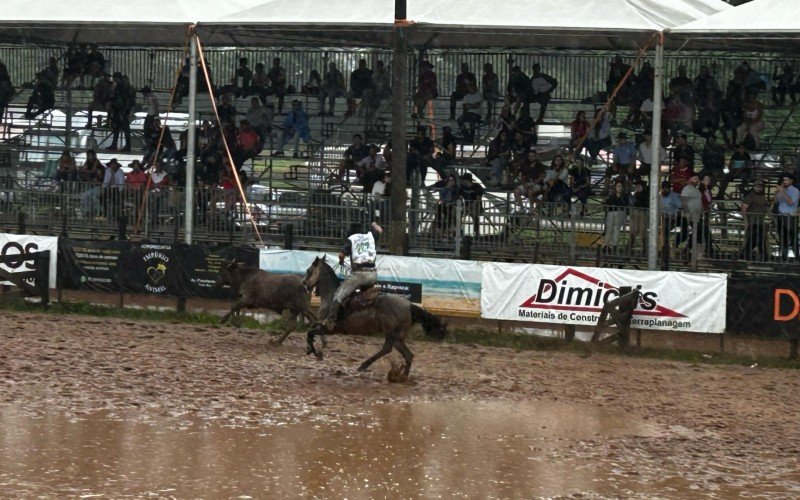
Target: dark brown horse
x=391 y=315
x=281 y=293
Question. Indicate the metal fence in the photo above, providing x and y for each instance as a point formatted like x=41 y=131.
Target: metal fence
x=492 y=228
x=580 y=73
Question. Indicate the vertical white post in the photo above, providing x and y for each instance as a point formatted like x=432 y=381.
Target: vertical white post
x=191 y=141
x=655 y=156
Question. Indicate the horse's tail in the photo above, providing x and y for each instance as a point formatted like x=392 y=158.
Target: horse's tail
x=433 y=325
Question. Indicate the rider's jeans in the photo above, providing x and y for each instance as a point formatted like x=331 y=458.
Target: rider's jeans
x=363 y=278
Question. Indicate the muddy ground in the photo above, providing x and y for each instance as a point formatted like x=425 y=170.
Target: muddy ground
x=696 y=430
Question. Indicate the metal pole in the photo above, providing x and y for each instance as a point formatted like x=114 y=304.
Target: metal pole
x=655 y=157
x=399 y=112
x=191 y=141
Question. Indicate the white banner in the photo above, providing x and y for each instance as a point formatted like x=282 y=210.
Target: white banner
x=691 y=302
x=18 y=244
x=448 y=286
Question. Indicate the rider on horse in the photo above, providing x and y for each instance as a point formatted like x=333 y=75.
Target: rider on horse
x=360 y=246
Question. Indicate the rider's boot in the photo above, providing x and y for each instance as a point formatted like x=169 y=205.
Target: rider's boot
x=330 y=322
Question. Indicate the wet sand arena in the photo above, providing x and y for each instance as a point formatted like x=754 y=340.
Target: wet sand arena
x=94 y=407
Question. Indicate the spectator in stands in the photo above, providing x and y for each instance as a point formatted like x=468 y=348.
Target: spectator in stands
x=518 y=90
x=732 y=107
x=692 y=208
x=42 y=98
x=472 y=112
x=708 y=117
x=92 y=170
x=332 y=87
x=242 y=78
x=472 y=194
x=497 y=157
x=6 y=89
x=182 y=85
x=713 y=159
x=159 y=137
x=447 y=152
x=95 y=64
x=542 y=87
x=678 y=115
x=783 y=77
x=681 y=86
x=382 y=188
x=578 y=130
x=449 y=193
x=623 y=163
x=683 y=150
x=741 y=166
x=616 y=206
x=556 y=181
x=136 y=178
x=226 y=109
x=101 y=98
x=754 y=210
x=158 y=193
x=787 y=198
x=490 y=83
x=645 y=155
x=427 y=88
x=121 y=106
x=150 y=106
x=640 y=203
x=260 y=118
x=599 y=134
x=67 y=170
x=643 y=85
x=370 y=169
x=705 y=88
x=360 y=83
x=113 y=182
x=277 y=82
x=752 y=123
x=505 y=121
x=420 y=156
x=295 y=125
x=312 y=86
x=248 y=144
x=580 y=183
x=670 y=202
x=466 y=83
x=259 y=83
x=617 y=70
x=527 y=126
x=520 y=146
x=680 y=175
x=753 y=84
x=380 y=90
x=74 y=62
x=531 y=180
x=354 y=153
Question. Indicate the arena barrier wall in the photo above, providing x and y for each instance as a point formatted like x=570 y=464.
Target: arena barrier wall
x=18 y=244
x=690 y=302
x=447 y=286
x=178 y=270
x=764 y=307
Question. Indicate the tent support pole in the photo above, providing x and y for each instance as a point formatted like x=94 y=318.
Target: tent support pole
x=191 y=141
x=655 y=158
x=399 y=195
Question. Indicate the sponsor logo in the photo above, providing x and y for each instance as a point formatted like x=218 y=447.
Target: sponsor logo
x=12 y=248
x=156 y=269
x=786 y=305
x=577 y=296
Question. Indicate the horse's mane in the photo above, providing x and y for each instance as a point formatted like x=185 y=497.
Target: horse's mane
x=328 y=273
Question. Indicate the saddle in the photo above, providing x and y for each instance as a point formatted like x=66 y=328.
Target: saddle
x=360 y=300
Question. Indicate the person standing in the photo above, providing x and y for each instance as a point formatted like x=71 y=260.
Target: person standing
x=616 y=207
x=754 y=209
x=463 y=82
x=787 y=197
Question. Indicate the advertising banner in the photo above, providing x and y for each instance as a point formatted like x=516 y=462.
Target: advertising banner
x=447 y=285
x=175 y=270
x=18 y=244
x=690 y=302
x=764 y=306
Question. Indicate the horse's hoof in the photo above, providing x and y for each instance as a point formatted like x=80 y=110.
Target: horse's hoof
x=363 y=368
x=319 y=355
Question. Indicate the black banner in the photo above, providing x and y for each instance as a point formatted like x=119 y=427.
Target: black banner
x=123 y=266
x=764 y=307
x=411 y=291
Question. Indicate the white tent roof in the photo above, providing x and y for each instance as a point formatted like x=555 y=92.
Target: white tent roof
x=757 y=25
x=463 y=23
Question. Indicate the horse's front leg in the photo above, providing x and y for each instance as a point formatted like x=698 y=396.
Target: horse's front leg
x=310 y=349
x=234 y=309
x=386 y=349
x=287 y=316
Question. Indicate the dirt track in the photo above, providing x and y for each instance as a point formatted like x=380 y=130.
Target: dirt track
x=725 y=430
